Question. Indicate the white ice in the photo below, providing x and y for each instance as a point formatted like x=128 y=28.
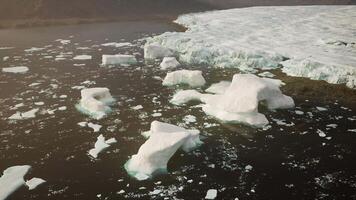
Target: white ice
x=100 y=145
x=239 y=103
x=34 y=182
x=12 y=179
x=95 y=102
x=154 y=50
x=24 y=115
x=163 y=141
x=169 y=63
x=193 y=78
x=19 y=69
x=211 y=194
x=118 y=59
x=82 y=57
x=317 y=42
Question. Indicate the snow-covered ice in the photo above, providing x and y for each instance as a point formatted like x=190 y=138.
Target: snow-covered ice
x=163 y=141
x=12 y=179
x=293 y=37
x=19 y=69
x=193 y=78
x=100 y=145
x=95 y=102
x=239 y=103
x=169 y=63
x=153 y=51
x=34 y=182
x=118 y=59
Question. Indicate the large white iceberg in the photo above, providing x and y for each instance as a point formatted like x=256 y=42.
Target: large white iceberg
x=193 y=78
x=118 y=59
x=311 y=41
x=163 y=141
x=154 y=50
x=12 y=179
x=95 y=102
x=100 y=145
x=239 y=103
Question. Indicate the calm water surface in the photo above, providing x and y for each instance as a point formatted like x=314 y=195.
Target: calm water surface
x=288 y=160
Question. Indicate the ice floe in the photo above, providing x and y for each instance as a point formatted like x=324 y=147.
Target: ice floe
x=269 y=37
x=24 y=115
x=34 y=182
x=193 y=78
x=100 y=145
x=19 y=69
x=116 y=44
x=118 y=59
x=95 y=102
x=82 y=57
x=154 y=50
x=163 y=141
x=169 y=63
x=239 y=103
x=12 y=179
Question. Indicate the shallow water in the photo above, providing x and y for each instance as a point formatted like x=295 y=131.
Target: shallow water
x=289 y=160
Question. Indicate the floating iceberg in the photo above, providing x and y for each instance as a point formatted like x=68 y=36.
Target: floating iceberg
x=100 y=145
x=118 y=59
x=153 y=51
x=34 y=182
x=163 y=141
x=193 y=78
x=239 y=103
x=293 y=38
x=12 y=179
x=95 y=102
x=169 y=63
x=19 y=69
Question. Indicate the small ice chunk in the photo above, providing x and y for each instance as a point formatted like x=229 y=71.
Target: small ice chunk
x=82 y=124
x=12 y=179
x=211 y=194
x=321 y=133
x=25 y=115
x=34 y=182
x=19 y=69
x=39 y=103
x=193 y=78
x=154 y=51
x=219 y=88
x=299 y=112
x=82 y=57
x=321 y=108
x=95 y=102
x=116 y=44
x=164 y=140
x=138 y=107
x=101 y=145
x=62 y=108
x=184 y=96
x=169 y=63
x=95 y=127
x=118 y=59
x=33 y=49
x=266 y=74
x=156 y=115
x=189 y=119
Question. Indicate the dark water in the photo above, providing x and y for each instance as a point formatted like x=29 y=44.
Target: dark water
x=289 y=160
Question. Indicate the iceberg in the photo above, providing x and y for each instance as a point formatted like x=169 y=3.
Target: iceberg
x=293 y=38
x=193 y=78
x=118 y=59
x=34 y=182
x=100 y=145
x=95 y=102
x=12 y=179
x=19 y=69
x=154 y=50
x=163 y=141
x=169 y=63
x=239 y=103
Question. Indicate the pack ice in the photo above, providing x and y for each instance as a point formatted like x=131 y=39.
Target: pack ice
x=118 y=59
x=193 y=78
x=239 y=103
x=95 y=102
x=317 y=42
x=12 y=179
x=163 y=141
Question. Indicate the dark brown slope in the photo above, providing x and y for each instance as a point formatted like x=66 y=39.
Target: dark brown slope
x=59 y=9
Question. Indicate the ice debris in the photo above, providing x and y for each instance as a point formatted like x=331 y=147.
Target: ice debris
x=211 y=194
x=100 y=145
x=118 y=59
x=193 y=78
x=19 y=69
x=82 y=57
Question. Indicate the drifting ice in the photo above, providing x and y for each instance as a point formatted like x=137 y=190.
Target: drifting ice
x=12 y=179
x=153 y=51
x=169 y=63
x=118 y=59
x=270 y=37
x=100 y=145
x=193 y=78
x=164 y=140
x=239 y=103
x=95 y=102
